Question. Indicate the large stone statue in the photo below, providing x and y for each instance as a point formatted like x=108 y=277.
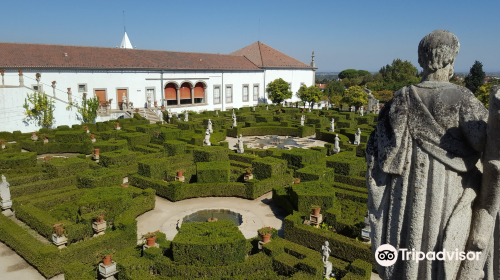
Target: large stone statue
x=240 y=145
x=209 y=126
x=425 y=191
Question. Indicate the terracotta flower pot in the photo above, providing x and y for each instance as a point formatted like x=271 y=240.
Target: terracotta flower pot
x=156 y=103
x=316 y=212
x=100 y=219
x=137 y=110
x=163 y=107
x=96 y=151
x=69 y=89
x=46 y=159
x=179 y=173
x=33 y=133
x=2 y=72
x=124 y=185
x=151 y=241
x=266 y=238
x=20 y=72
x=297 y=181
x=117 y=124
x=53 y=83
x=92 y=136
x=107 y=259
x=86 y=127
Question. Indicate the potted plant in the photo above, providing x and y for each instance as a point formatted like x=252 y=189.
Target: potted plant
x=316 y=209
x=162 y=108
x=96 y=151
x=297 y=180
x=2 y=71
x=179 y=173
x=156 y=103
x=92 y=136
x=248 y=170
x=53 y=83
x=99 y=216
x=59 y=230
x=266 y=233
x=20 y=71
x=137 y=110
x=38 y=75
x=46 y=159
x=150 y=238
x=106 y=256
x=58 y=237
x=69 y=89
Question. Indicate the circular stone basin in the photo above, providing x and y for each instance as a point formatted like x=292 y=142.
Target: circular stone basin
x=219 y=214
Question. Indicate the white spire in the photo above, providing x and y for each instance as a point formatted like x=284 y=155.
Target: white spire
x=126 y=42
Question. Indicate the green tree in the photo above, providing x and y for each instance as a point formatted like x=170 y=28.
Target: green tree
x=88 y=108
x=476 y=76
x=398 y=71
x=334 y=88
x=355 y=96
x=348 y=73
x=310 y=94
x=40 y=109
x=362 y=73
x=383 y=95
x=483 y=94
x=278 y=91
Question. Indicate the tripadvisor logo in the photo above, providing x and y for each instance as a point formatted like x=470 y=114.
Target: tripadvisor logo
x=387 y=255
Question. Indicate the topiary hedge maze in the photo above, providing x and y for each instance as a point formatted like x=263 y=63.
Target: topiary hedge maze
x=73 y=190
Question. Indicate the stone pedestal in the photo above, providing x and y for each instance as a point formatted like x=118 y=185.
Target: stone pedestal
x=248 y=177
x=107 y=272
x=336 y=150
x=177 y=178
x=59 y=241
x=92 y=140
x=327 y=269
x=145 y=246
x=99 y=228
x=313 y=220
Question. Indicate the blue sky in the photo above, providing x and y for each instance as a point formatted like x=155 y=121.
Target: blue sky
x=344 y=34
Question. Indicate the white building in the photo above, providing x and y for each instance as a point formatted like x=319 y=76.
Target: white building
x=177 y=80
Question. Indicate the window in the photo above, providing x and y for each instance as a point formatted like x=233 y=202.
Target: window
x=38 y=88
x=245 y=93
x=216 y=95
x=255 y=93
x=229 y=94
x=82 y=87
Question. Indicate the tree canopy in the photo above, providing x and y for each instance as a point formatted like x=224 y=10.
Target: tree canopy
x=363 y=73
x=39 y=109
x=334 y=91
x=483 y=94
x=348 y=73
x=395 y=76
x=88 y=109
x=476 y=76
x=355 y=96
x=310 y=94
x=383 y=95
x=278 y=91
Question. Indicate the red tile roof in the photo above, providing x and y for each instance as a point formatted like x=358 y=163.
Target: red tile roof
x=321 y=86
x=264 y=56
x=20 y=55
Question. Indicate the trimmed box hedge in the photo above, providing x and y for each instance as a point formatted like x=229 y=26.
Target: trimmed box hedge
x=210 y=153
x=211 y=244
x=71 y=136
x=109 y=146
x=62 y=167
x=102 y=177
x=174 y=147
x=136 y=138
x=301 y=157
x=213 y=172
x=306 y=194
x=267 y=167
x=17 y=160
x=118 y=158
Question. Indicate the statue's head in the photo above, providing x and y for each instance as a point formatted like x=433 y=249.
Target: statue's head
x=326 y=243
x=437 y=50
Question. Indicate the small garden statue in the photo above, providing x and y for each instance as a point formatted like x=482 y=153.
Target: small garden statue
x=325 y=251
x=353 y=109
x=240 y=145
x=169 y=115
x=302 y=120
x=33 y=136
x=332 y=125
x=233 y=115
x=206 y=142
x=357 y=137
x=217 y=113
x=124 y=101
x=267 y=107
x=253 y=108
x=209 y=127
x=336 y=147
x=234 y=121
x=309 y=109
x=6 y=203
x=186 y=116
x=149 y=100
x=361 y=110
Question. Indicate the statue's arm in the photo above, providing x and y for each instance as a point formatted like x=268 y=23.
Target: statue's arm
x=473 y=121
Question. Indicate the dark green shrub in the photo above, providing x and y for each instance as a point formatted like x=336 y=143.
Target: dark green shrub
x=211 y=244
x=118 y=157
x=174 y=147
x=103 y=177
x=71 y=136
x=301 y=157
x=346 y=164
x=213 y=172
x=108 y=146
x=136 y=138
x=256 y=188
x=315 y=173
x=42 y=186
x=306 y=194
x=62 y=167
x=210 y=153
x=267 y=167
x=17 y=160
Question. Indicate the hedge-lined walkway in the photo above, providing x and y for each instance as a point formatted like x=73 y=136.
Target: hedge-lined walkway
x=262 y=208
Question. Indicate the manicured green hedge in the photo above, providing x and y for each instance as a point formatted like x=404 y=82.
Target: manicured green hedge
x=103 y=177
x=136 y=138
x=315 y=173
x=342 y=247
x=256 y=188
x=346 y=164
x=42 y=186
x=210 y=153
x=62 y=167
x=301 y=157
x=109 y=146
x=211 y=244
x=118 y=157
x=17 y=160
x=174 y=147
x=84 y=147
x=306 y=194
x=74 y=136
x=213 y=172
x=241 y=157
x=267 y=167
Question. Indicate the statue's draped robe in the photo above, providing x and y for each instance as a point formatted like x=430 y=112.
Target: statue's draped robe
x=422 y=176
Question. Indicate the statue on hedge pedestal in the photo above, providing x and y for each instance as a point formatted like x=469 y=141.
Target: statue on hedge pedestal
x=336 y=147
x=206 y=142
x=425 y=191
x=302 y=120
x=169 y=115
x=357 y=137
x=361 y=110
x=186 y=117
x=209 y=126
x=234 y=121
x=240 y=145
x=332 y=125
x=6 y=202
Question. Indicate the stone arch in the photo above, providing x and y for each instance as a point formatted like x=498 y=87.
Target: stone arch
x=170 y=93
x=199 y=92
